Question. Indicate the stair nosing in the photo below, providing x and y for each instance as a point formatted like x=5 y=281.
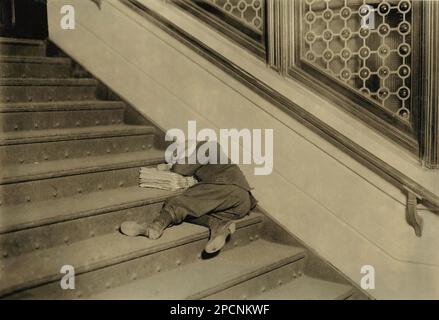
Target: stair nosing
x=82 y=170
x=4 y=292
x=108 y=131
x=34 y=60
x=348 y=289
x=81 y=105
x=22 y=41
x=293 y=255
x=248 y=276
x=45 y=82
x=75 y=215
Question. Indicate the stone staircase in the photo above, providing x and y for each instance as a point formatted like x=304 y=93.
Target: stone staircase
x=69 y=173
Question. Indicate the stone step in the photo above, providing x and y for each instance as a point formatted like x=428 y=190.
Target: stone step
x=34 y=191
x=28 y=90
x=210 y=276
x=114 y=260
x=34 y=67
x=38 y=147
x=70 y=167
x=45 y=224
x=22 y=47
x=60 y=115
x=308 y=288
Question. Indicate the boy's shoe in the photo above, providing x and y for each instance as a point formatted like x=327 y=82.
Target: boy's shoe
x=218 y=236
x=152 y=230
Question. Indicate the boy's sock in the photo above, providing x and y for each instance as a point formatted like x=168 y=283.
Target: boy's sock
x=152 y=230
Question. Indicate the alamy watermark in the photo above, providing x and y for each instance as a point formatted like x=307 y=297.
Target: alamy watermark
x=257 y=147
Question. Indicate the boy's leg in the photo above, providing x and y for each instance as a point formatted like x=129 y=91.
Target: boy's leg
x=221 y=222
x=227 y=201
x=152 y=230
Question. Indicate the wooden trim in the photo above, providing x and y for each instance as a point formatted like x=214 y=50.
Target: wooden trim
x=242 y=35
x=430 y=76
x=328 y=133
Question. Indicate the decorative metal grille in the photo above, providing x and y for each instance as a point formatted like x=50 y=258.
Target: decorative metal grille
x=374 y=60
x=248 y=12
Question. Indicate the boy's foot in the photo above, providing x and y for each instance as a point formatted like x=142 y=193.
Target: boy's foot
x=218 y=236
x=152 y=230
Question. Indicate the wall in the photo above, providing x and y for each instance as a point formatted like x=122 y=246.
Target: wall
x=348 y=214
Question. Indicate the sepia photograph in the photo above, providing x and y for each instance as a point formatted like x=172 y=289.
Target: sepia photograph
x=239 y=152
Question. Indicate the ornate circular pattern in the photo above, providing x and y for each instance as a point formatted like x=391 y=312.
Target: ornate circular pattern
x=310 y=37
x=364 y=52
x=383 y=8
x=346 y=13
x=365 y=91
x=310 y=17
x=384 y=72
x=364 y=10
x=383 y=51
x=345 y=74
x=364 y=32
x=404 y=49
x=404 y=28
x=328 y=35
x=328 y=55
x=346 y=54
x=310 y=56
x=327 y=15
x=378 y=58
x=404 y=93
x=248 y=12
x=364 y=73
x=404 y=113
x=383 y=93
x=384 y=29
x=346 y=33
x=404 y=6
x=404 y=71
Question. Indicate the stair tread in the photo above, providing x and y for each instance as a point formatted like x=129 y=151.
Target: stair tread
x=95 y=253
x=58 y=168
x=307 y=288
x=48 y=82
x=4 y=40
x=34 y=59
x=19 y=217
x=60 y=106
x=46 y=135
x=225 y=270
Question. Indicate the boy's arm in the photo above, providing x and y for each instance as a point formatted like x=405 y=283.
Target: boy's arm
x=185 y=169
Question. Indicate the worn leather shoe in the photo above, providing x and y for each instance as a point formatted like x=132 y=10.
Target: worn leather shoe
x=152 y=230
x=218 y=236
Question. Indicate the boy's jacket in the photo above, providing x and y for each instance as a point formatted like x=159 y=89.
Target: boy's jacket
x=213 y=173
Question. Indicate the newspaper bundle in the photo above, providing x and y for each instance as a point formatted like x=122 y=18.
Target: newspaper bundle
x=165 y=180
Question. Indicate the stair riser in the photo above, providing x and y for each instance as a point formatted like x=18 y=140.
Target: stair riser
x=122 y=273
x=21 y=121
x=34 y=70
x=46 y=93
x=73 y=149
x=56 y=188
x=95 y=224
x=257 y=285
x=22 y=50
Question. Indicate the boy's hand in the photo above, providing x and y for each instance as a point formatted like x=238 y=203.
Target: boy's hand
x=164 y=167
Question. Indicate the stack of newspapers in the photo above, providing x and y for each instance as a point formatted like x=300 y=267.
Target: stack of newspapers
x=165 y=180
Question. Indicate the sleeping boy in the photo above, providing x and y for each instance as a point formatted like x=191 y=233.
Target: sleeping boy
x=221 y=196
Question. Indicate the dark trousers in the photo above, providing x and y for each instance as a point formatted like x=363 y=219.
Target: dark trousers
x=214 y=201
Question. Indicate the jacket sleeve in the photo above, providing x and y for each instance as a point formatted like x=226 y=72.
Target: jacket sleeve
x=185 y=169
